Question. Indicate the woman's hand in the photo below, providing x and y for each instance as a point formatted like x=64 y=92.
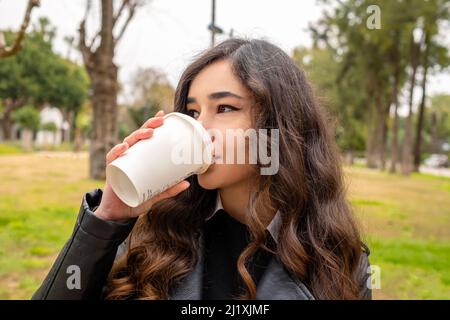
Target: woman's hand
x=111 y=207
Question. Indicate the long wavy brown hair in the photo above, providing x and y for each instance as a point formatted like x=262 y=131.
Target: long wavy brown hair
x=319 y=241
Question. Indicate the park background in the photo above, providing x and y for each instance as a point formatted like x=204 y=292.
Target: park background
x=76 y=77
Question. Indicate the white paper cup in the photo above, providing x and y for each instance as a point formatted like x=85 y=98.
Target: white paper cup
x=181 y=147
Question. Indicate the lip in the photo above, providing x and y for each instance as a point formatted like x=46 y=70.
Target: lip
x=215 y=158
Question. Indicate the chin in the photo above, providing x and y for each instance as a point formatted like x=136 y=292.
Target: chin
x=210 y=179
x=219 y=176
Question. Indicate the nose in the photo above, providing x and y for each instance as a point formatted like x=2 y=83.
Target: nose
x=204 y=119
x=201 y=118
x=206 y=124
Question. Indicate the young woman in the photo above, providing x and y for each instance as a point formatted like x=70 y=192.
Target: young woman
x=230 y=232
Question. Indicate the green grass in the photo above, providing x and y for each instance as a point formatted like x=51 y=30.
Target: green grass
x=14 y=148
x=10 y=148
x=40 y=196
x=64 y=146
x=405 y=221
x=412 y=269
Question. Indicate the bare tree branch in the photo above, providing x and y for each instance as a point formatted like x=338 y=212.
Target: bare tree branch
x=119 y=12
x=131 y=11
x=9 y=51
x=126 y=4
x=94 y=39
x=85 y=50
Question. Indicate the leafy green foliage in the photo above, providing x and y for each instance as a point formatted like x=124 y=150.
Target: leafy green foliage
x=37 y=75
x=27 y=117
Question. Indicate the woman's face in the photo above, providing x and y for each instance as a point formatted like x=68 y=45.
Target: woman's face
x=221 y=103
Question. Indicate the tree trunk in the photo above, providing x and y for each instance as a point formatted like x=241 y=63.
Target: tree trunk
x=371 y=123
x=418 y=142
x=65 y=133
x=384 y=131
x=434 y=133
x=78 y=141
x=104 y=128
x=379 y=128
x=350 y=157
x=73 y=125
x=371 y=139
x=375 y=132
x=407 y=158
x=27 y=139
x=394 y=146
x=395 y=60
x=7 y=123
x=383 y=143
x=103 y=74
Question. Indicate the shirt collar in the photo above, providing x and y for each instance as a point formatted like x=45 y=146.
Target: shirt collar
x=273 y=227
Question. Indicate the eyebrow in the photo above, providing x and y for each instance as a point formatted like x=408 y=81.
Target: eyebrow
x=217 y=95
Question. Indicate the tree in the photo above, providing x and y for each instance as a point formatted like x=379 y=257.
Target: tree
x=434 y=56
x=28 y=119
x=71 y=92
x=38 y=76
x=438 y=126
x=83 y=126
x=98 y=57
x=407 y=159
x=150 y=91
x=22 y=76
x=151 y=87
x=384 y=60
x=322 y=66
x=363 y=54
x=398 y=77
x=9 y=51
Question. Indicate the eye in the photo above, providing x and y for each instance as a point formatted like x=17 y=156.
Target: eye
x=193 y=113
x=226 y=108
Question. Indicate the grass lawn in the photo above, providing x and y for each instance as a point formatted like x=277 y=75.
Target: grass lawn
x=405 y=221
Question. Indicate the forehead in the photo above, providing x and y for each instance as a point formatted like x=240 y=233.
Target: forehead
x=216 y=77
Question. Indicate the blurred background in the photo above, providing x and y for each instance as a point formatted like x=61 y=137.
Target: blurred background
x=76 y=77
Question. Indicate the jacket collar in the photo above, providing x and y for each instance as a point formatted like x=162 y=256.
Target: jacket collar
x=273 y=227
x=277 y=283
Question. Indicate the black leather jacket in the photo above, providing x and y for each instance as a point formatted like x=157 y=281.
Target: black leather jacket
x=96 y=243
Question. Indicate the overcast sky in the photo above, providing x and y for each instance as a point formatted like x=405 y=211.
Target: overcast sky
x=166 y=33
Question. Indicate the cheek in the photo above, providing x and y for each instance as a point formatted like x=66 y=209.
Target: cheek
x=220 y=176
x=233 y=140
x=223 y=175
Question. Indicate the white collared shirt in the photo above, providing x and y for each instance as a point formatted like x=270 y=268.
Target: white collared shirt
x=273 y=227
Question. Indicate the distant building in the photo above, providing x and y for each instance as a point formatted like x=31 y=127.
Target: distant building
x=51 y=114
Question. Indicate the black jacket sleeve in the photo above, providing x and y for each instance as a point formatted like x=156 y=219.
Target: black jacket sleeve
x=364 y=274
x=82 y=267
